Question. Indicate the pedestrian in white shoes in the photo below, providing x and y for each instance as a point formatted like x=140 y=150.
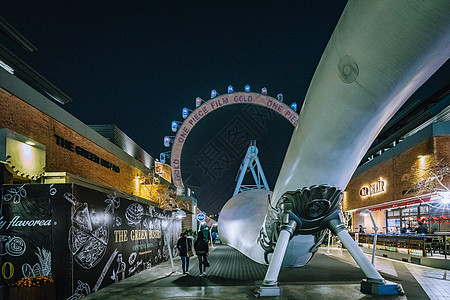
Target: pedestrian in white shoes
x=202 y=250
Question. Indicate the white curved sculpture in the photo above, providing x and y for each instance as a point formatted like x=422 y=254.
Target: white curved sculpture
x=380 y=53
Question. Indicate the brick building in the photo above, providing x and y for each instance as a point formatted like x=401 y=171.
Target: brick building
x=407 y=179
x=42 y=143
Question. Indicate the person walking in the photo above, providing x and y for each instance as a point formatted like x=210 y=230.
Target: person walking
x=202 y=250
x=361 y=229
x=213 y=238
x=184 y=245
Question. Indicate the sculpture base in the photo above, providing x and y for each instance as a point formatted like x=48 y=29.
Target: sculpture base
x=389 y=288
x=268 y=291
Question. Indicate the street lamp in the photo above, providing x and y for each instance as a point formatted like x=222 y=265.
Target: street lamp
x=200 y=225
x=215 y=224
x=176 y=216
x=364 y=213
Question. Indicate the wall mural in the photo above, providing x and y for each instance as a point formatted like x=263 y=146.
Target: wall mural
x=83 y=238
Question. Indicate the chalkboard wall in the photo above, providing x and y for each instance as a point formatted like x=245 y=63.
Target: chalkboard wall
x=83 y=238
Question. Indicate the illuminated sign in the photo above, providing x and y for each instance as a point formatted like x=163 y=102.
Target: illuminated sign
x=200 y=217
x=375 y=188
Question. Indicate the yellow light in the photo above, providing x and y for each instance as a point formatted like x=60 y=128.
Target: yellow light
x=27 y=155
x=422 y=161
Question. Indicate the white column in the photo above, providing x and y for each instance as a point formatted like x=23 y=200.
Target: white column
x=277 y=258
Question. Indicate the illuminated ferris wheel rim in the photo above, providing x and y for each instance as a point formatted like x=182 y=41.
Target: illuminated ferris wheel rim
x=216 y=103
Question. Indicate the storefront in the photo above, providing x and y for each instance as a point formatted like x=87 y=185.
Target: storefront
x=76 y=207
x=73 y=151
x=407 y=184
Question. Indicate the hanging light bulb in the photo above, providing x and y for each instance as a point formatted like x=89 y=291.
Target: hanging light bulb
x=185 y=112
x=230 y=89
x=247 y=88
x=198 y=101
x=280 y=97
x=175 y=125
x=167 y=141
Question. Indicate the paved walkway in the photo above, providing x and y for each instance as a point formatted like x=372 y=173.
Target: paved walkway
x=331 y=275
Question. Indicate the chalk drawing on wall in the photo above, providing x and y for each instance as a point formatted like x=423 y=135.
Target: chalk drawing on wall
x=105 y=270
x=87 y=241
x=113 y=203
x=147 y=224
x=151 y=211
x=133 y=214
x=132 y=258
x=147 y=265
x=15 y=194
x=134 y=264
x=81 y=291
x=52 y=190
x=120 y=271
x=134 y=268
x=14 y=245
x=42 y=268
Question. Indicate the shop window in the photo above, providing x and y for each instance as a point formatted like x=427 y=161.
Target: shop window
x=424 y=210
x=393 y=222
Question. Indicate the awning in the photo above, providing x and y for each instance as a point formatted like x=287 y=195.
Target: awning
x=399 y=203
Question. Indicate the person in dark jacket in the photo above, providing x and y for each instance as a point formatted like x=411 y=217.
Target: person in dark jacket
x=184 y=245
x=405 y=229
x=421 y=229
x=201 y=249
x=361 y=229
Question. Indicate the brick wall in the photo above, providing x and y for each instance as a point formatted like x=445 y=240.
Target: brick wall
x=24 y=119
x=407 y=175
x=442 y=156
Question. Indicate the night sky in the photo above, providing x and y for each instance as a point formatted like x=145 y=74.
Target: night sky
x=136 y=64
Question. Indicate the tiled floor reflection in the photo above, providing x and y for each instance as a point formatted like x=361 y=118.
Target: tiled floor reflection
x=332 y=275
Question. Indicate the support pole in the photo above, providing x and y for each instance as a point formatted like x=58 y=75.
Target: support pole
x=374 y=284
x=277 y=258
x=170 y=255
x=369 y=270
x=270 y=287
x=329 y=240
